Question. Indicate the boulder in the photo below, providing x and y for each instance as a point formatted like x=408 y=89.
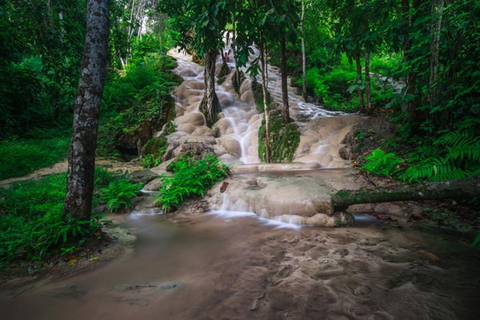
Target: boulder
x=231 y=146
x=194 y=118
x=203 y=131
x=301 y=200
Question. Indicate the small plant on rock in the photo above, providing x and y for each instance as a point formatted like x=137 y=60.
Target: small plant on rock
x=192 y=178
x=119 y=194
x=382 y=164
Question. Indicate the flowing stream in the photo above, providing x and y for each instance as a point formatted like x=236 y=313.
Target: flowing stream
x=225 y=267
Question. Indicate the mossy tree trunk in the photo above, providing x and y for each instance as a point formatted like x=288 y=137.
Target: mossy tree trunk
x=210 y=106
x=356 y=55
x=455 y=189
x=286 y=107
x=268 y=150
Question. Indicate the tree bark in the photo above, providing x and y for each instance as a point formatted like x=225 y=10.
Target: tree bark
x=455 y=189
x=268 y=152
x=286 y=107
x=368 y=92
x=304 y=58
x=359 y=79
x=81 y=160
x=436 y=28
x=210 y=105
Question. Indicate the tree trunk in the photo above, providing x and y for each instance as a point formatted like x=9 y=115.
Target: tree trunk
x=268 y=152
x=304 y=58
x=210 y=106
x=410 y=14
x=286 y=107
x=436 y=28
x=81 y=160
x=367 y=81
x=359 y=79
x=455 y=189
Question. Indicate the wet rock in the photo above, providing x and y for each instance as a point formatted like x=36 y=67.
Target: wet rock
x=203 y=131
x=388 y=208
x=142 y=176
x=198 y=150
x=231 y=146
x=153 y=185
x=362 y=291
x=186 y=127
x=195 y=119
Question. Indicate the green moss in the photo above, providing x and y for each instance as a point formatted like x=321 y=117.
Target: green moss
x=237 y=80
x=153 y=151
x=221 y=80
x=258 y=96
x=284 y=139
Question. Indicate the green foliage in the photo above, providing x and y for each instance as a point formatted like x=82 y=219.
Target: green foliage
x=119 y=194
x=476 y=241
x=454 y=155
x=150 y=161
x=137 y=103
x=33 y=226
x=381 y=163
x=41 y=50
x=337 y=88
x=22 y=156
x=191 y=178
x=154 y=150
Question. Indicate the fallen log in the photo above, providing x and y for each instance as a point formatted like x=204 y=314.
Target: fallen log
x=439 y=190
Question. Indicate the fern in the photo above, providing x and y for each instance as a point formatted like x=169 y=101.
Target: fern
x=455 y=155
x=381 y=163
x=192 y=177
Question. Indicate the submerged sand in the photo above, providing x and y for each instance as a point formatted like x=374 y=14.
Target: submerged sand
x=208 y=267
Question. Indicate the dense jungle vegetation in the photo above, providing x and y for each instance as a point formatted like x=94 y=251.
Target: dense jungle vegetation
x=413 y=62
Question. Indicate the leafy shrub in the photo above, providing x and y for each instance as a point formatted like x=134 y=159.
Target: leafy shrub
x=192 y=178
x=137 y=103
x=381 y=163
x=33 y=225
x=336 y=88
x=22 y=156
x=119 y=194
x=454 y=155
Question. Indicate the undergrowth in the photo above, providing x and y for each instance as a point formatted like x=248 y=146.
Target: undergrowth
x=191 y=178
x=137 y=103
x=22 y=156
x=33 y=225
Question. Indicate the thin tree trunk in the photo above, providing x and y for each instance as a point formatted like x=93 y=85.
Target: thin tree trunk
x=410 y=14
x=210 y=105
x=454 y=189
x=359 y=79
x=285 y=109
x=436 y=28
x=304 y=58
x=268 y=153
x=234 y=49
x=81 y=160
x=367 y=81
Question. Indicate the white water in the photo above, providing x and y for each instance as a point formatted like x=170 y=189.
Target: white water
x=230 y=210
x=240 y=120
